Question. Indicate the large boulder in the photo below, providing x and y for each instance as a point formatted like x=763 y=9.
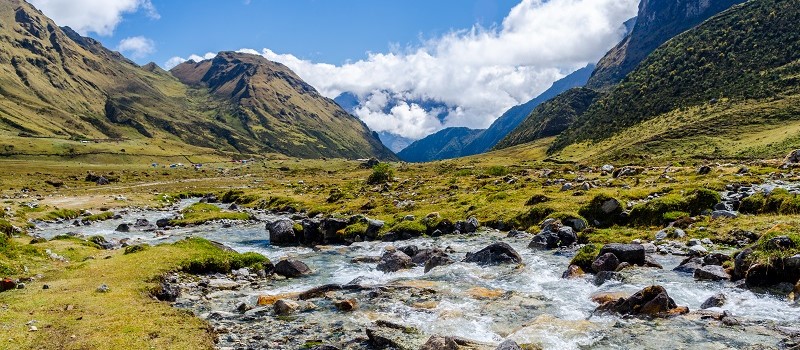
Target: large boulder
x=605 y=262
x=630 y=253
x=711 y=273
x=509 y=345
x=281 y=232
x=373 y=229
x=652 y=301
x=292 y=268
x=395 y=261
x=330 y=228
x=167 y=291
x=716 y=300
x=554 y=235
x=469 y=226
x=495 y=254
x=311 y=232
x=793 y=157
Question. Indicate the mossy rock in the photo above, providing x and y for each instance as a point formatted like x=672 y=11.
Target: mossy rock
x=585 y=257
x=136 y=248
x=695 y=202
x=533 y=216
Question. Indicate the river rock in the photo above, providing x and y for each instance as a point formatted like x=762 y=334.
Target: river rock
x=630 y=253
x=689 y=265
x=716 y=214
x=604 y=276
x=509 y=345
x=388 y=335
x=281 y=232
x=346 y=305
x=605 y=262
x=716 y=300
x=330 y=228
x=373 y=228
x=495 y=254
x=167 y=291
x=285 y=307
x=652 y=301
x=711 y=273
x=573 y=271
x=222 y=284
x=704 y=170
x=440 y=343
x=395 y=261
x=793 y=157
x=123 y=228
x=436 y=257
x=410 y=250
x=292 y=268
x=141 y=222
x=161 y=223
x=469 y=226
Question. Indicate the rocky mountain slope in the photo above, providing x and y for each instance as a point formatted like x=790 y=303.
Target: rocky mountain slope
x=736 y=76
x=480 y=141
x=60 y=88
x=657 y=22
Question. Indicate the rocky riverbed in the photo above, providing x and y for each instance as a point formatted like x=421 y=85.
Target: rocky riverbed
x=347 y=302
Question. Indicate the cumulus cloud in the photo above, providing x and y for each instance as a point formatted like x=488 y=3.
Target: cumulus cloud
x=98 y=16
x=137 y=46
x=174 y=61
x=478 y=73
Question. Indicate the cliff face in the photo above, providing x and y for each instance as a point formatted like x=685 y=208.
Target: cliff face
x=657 y=22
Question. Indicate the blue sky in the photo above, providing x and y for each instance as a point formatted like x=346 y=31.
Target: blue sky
x=477 y=58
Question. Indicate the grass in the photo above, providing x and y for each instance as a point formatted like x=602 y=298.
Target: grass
x=106 y=215
x=62 y=214
x=200 y=213
x=104 y=320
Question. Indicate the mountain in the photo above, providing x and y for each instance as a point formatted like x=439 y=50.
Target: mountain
x=445 y=144
x=395 y=142
x=657 y=22
x=462 y=144
x=736 y=72
x=514 y=116
x=551 y=118
x=59 y=88
x=275 y=107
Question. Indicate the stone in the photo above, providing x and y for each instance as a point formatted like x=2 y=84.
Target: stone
x=394 y=261
x=285 y=307
x=728 y=214
x=281 y=232
x=698 y=250
x=716 y=300
x=167 y=292
x=495 y=254
x=780 y=243
x=573 y=271
x=292 y=268
x=649 y=261
x=509 y=345
x=346 y=305
x=631 y=253
x=373 y=229
x=651 y=301
x=576 y=224
x=123 y=228
x=704 y=170
x=793 y=157
x=440 y=343
x=161 y=223
x=604 y=276
x=605 y=262
x=7 y=284
x=437 y=258
x=693 y=242
x=711 y=273
x=410 y=250
x=566 y=187
x=608 y=168
x=222 y=284
x=103 y=289
x=689 y=265
x=141 y=222
x=516 y=233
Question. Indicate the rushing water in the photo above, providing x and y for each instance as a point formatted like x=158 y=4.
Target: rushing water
x=530 y=304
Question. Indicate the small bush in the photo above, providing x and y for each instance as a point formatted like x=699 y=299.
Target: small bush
x=136 y=248
x=497 y=170
x=537 y=199
x=380 y=173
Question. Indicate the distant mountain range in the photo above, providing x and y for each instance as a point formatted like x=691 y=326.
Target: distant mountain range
x=461 y=142
x=59 y=88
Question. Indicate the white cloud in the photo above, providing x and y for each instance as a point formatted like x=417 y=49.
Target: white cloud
x=98 y=16
x=174 y=61
x=479 y=73
x=137 y=46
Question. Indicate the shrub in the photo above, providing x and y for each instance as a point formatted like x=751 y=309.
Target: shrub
x=537 y=199
x=136 y=248
x=497 y=170
x=381 y=173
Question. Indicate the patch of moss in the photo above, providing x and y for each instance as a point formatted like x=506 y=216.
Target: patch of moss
x=537 y=199
x=106 y=215
x=585 y=256
x=199 y=213
x=357 y=229
x=239 y=197
x=497 y=170
x=136 y=248
x=62 y=214
x=414 y=228
x=223 y=262
x=694 y=203
x=533 y=216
